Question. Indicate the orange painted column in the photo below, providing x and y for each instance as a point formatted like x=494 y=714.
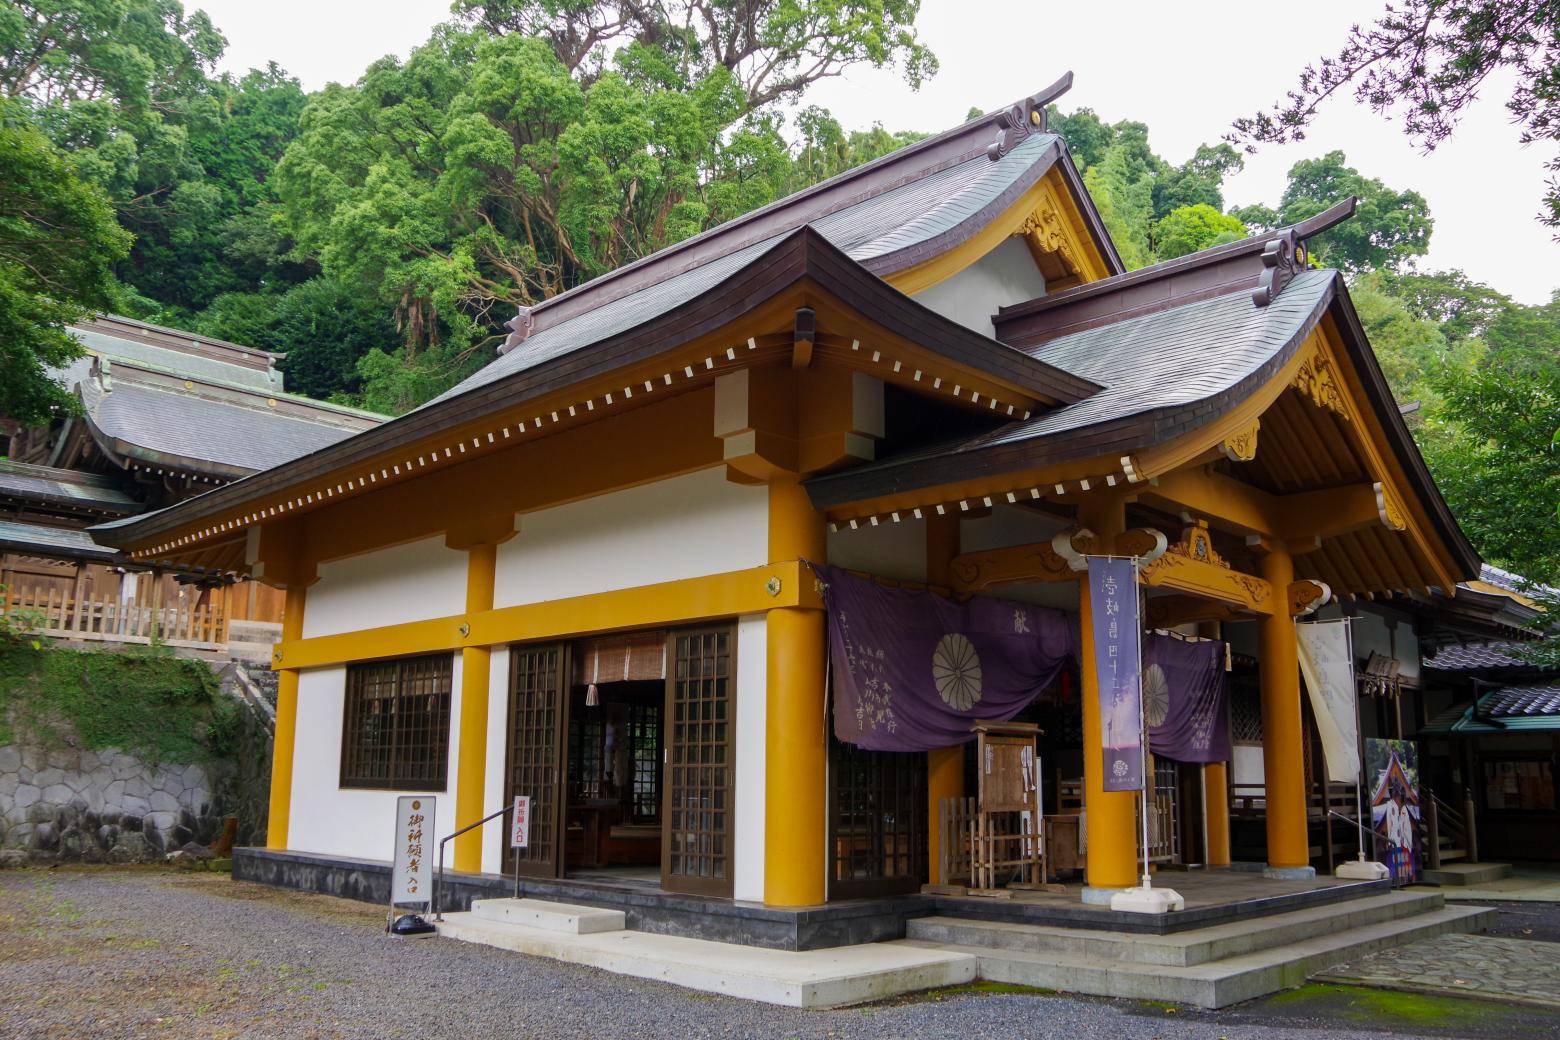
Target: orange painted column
x=795 y=735
x=944 y=766
x=1283 y=764
x=280 y=813
x=1110 y=817
x=475 y=662
x=1216 y=796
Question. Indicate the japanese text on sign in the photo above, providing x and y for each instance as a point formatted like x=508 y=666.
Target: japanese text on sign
x=414 y=845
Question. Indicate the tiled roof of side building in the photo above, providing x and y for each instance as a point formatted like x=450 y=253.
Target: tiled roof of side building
x=230 y=436
x=1472 y=657
x=63 y=487
x=52 y=541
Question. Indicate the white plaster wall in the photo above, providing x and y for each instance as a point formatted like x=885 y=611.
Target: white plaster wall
x=684 y=527
x=495 y=834
x=1007 y=525
x=752 y=712
x=888 y=550
x=337 y=821
x=411 y=582
x=1004 y=276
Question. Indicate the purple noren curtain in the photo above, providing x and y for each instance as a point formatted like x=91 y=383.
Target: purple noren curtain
x=1184 y=691
x=911 y=670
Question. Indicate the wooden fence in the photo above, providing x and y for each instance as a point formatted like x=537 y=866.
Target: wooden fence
x=108 y=619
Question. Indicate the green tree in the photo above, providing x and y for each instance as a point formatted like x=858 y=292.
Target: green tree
x=1192 y=228
x=58 y=244
x=1197 y=182
x=1428 y=60
x=1462 y=307
x=1388 y=231
x=1416 y=353
x=772 y=50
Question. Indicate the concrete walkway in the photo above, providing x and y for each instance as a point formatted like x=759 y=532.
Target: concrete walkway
x=1513 y=970
x=1527 y=884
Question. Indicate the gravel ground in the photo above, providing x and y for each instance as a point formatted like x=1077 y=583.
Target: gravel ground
x=104 y=953
x=1539 y=922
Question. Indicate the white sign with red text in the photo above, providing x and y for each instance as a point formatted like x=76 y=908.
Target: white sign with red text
x=520 y=828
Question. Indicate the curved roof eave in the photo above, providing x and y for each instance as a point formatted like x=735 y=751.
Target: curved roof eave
x=802 y=253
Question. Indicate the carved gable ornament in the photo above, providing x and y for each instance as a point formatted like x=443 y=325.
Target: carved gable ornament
x=1317 y=379
x=1282 y=259
x=1018 y=121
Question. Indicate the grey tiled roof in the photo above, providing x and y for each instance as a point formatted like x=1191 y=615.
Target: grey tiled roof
x=225 y=432
x=191 y=366
x=46 y=484
x=1525 y=701
x=1163 y=360
x=1470 y=657
x=898 y=219
x=51 y=540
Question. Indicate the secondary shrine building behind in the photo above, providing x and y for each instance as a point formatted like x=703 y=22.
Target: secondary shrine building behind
x=582 y=575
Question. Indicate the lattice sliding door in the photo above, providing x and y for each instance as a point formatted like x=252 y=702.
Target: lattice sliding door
x=538 y=720
x=700 y=733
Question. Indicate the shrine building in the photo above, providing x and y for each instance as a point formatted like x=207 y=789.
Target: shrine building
x=585 y=574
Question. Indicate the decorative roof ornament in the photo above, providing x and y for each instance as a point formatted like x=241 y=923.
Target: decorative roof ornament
x=519 y=328
x=1282 y=258
x=1286 y=255
x=1027 y=116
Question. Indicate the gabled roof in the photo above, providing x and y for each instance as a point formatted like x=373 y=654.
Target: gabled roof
x=1518 y=708
x=884 y=222
x=1476 y=657
x=179 y=401
x=54 y=542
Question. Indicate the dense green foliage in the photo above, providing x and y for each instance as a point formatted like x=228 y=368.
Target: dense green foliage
x=145 y=702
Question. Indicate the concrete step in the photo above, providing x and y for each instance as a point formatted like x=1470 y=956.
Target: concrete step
x=1219 y=983
x=1466 y=873
x=810 y=979
x=1181 y=949
x=549 y=917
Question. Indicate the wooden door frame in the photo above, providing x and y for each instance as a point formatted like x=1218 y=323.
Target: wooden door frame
x=560 y=753
x=717 y=887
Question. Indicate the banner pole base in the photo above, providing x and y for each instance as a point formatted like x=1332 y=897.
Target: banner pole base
x=1147 y=900
x=1362 y=869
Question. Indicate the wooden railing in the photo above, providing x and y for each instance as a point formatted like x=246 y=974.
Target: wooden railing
x=108 y=619
x=1447 y=833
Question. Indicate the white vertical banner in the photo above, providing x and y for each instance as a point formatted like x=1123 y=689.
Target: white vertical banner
x=412 y=876
x=1327 y=663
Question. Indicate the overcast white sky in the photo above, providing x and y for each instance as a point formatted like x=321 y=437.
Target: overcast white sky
x=1186 y=75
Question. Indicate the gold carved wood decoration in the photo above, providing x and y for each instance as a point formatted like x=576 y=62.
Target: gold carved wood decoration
x=1242 y=445
x=1306 y=596
x=1318 y=380
x=1193 y=566
x=1388 y=508
x=975 y=572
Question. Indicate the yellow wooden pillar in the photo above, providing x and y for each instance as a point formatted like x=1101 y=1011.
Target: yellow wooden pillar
x=1216 y=796
x=795 y=734
x=1110 y=817
x=475 y=661
x=1283 y=765
x=286 y=727
x=944 y=766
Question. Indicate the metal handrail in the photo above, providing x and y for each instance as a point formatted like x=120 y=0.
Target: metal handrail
x=1349 y=819
x=433 y=903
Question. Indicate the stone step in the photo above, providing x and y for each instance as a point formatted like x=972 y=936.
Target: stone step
x=811 y=979
x=549 y=917
x=1217 y=984
x=1194 y=946
x=1466 y=873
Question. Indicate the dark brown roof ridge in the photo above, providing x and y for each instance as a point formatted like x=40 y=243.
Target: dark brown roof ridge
x=1209 y=272
x=181 y=339
x=902 y=166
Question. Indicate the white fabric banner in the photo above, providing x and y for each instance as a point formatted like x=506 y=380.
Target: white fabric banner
x=1327 y=663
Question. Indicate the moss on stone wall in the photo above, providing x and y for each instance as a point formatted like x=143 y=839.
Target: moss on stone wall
x=143 y=701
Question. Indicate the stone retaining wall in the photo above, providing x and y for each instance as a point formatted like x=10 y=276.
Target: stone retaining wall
x=69 y=803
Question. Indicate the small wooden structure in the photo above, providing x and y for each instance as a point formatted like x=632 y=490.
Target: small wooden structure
x=1005 y=836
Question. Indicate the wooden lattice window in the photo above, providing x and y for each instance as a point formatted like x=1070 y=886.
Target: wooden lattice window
x=644 y=748
x=877 y=822
x=1245 y=713
x=538 y=709
x=396 y=733
x=699 y=788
